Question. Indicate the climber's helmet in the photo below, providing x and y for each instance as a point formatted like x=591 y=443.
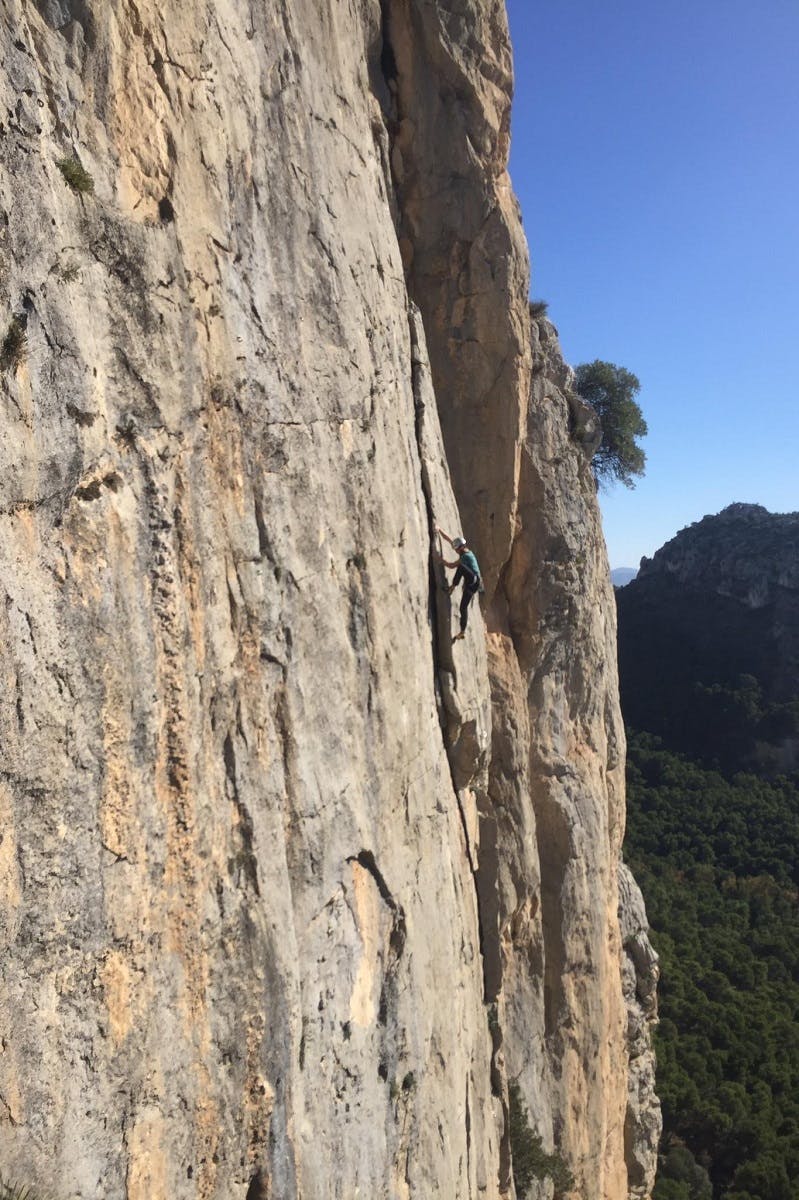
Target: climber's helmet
x=458 y=544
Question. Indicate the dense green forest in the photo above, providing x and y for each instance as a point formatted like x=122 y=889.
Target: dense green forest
x=717 y=859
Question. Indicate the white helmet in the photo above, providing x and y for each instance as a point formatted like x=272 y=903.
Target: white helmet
x=458 y=542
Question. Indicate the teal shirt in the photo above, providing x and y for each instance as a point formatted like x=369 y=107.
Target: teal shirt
x=468 y=564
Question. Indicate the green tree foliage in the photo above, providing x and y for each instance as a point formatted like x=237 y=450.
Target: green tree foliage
x=76 y=176
x=718 y=861
x=530 y=1160
x=611 y=392
x=681 y=1178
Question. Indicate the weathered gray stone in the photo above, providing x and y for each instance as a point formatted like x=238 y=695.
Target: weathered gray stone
x=640 y=974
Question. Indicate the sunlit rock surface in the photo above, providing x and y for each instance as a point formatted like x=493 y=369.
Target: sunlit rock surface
x=292 y=885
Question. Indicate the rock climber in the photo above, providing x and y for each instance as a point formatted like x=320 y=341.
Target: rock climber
x=467 y=571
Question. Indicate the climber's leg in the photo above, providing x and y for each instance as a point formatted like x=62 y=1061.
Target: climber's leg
x=466 y=599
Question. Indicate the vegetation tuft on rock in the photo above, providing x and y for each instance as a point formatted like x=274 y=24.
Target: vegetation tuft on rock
x=75 y=175
x=530 y=1160
x=12 y=350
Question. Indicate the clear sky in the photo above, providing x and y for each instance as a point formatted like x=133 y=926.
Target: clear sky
x=655 y=153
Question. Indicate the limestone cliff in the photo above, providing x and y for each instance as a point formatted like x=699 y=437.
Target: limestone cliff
x=291 y=886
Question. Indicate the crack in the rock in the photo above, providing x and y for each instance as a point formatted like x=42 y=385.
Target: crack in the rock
x=478 y=882
x=419 y=406
x=248 y=859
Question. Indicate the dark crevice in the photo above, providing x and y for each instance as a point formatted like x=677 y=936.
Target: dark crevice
x=383 y=71
x=80 y=417
x=396 y=941
x=258 y=1189
x=434 y=582
x=61 y=15
x=388 y=62
x=554 y=853
x=468 y=1133
x=397 y=937
x=94 y=490
x=367 y=860
x=166 y=212
x=434 y=585
x=246 y=860
x=301 y=1053
x=488 y=903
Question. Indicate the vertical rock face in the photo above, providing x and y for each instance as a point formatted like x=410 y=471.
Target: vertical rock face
x=640 y=973
x=557 y=798
x=291 y=885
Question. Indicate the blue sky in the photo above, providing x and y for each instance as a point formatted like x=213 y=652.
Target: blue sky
x=655 y=153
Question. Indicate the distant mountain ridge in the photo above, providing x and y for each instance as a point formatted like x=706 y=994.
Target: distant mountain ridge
x=744 y=551
x=621 y=576
x=713 y=620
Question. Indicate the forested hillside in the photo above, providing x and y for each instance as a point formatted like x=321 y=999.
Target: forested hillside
x=716 y=860
x=709 y=641
x=713 y=837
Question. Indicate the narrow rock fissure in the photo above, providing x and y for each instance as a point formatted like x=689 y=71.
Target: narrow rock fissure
x=366 y=859
x=484 y=874
x=383 y=66
x=248 y=859
x=419 y=406
x=396 y=941
x=388 y=78
x=468 y=1133
x=434 y=583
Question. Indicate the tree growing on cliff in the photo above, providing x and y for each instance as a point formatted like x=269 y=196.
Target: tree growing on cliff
x=530 y=1161
x=611 y=392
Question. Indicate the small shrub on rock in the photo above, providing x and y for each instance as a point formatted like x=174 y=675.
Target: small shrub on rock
x=530 y=1160
x=12 y=352
x=75 y=175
